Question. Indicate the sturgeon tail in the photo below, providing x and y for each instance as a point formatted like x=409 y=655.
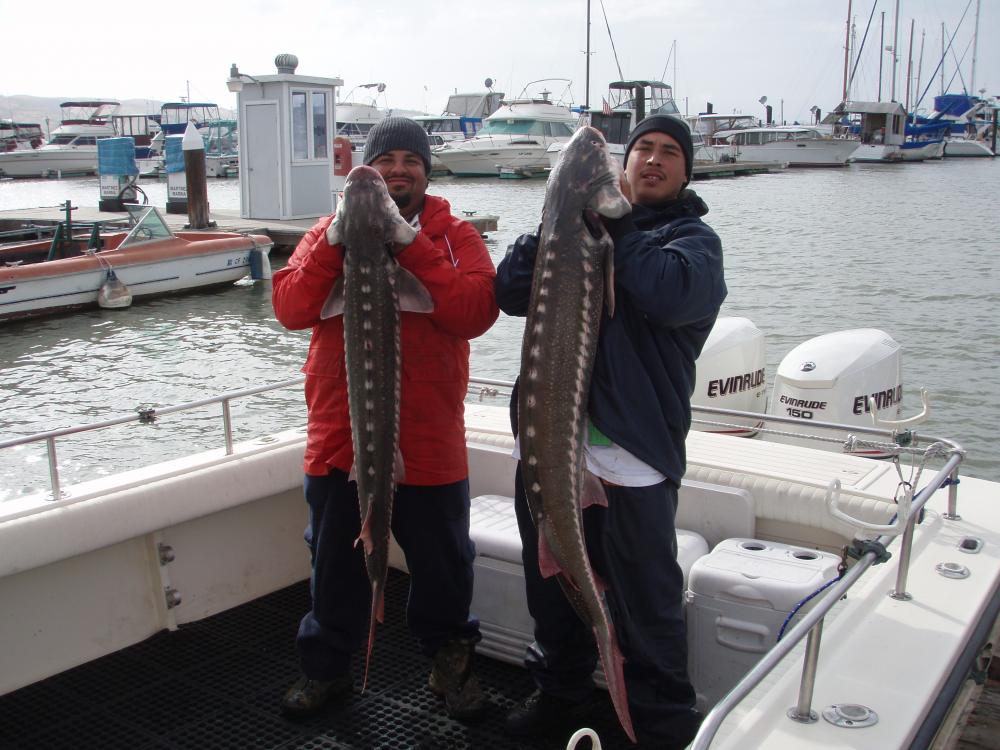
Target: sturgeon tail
x=613 y=663
x=377 y=615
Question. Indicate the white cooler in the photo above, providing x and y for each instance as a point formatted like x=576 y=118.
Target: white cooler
x=738 y=597
x=498 y=599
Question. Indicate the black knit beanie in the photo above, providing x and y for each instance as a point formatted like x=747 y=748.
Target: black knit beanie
x=393 y=133
x=675 y=127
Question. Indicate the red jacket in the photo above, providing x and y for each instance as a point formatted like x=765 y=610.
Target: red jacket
x=435 y=346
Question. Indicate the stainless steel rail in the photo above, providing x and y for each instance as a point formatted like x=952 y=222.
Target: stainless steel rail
x=710 y=726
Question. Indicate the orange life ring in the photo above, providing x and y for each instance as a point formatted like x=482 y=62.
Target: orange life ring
x=341 y=156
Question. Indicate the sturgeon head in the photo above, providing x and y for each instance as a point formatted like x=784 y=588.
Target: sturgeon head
x=573 y=280
x=370 y=294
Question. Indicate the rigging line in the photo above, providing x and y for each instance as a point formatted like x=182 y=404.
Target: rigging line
x=958 y=69
x=673 y=51
x=857 y=57
x=621 y=76
x=941 y=61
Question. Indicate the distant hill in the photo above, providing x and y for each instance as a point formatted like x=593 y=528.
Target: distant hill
x=39 y=108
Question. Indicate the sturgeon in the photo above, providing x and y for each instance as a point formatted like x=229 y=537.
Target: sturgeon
x=370 y=294
x=573 y=280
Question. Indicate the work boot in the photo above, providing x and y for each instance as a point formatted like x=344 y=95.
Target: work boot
x=540 y=713
x=308 y=697
x=452 y=678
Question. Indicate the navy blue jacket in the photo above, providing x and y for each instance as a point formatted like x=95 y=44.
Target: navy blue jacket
x=669 y=285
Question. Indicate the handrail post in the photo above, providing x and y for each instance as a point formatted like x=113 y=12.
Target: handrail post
x=227 y=423
x=952 y=514
x=802 y=711
x=50 y=449
x=902 y=571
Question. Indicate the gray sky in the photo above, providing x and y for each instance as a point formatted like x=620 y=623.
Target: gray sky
x=729 y=53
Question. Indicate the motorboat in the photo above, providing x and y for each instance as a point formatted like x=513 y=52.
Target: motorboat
x=878 y=127
x=217 y=132
x=72 y=149
x=796 y=145
x=20 y=136
x=355 y=118
x=83 y=266
x=627 y=103
x=832 y=600
x=513 y=140
x=968 y=121
x=463 y=115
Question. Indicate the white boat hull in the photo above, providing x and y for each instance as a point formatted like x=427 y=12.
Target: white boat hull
x=870 y=152
x=66 y=291
x=486 y=159
x=800 y=153
x=966 y=147
x=50 y=161
x=923 y=151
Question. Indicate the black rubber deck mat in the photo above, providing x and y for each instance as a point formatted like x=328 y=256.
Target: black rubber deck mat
x=217 y=683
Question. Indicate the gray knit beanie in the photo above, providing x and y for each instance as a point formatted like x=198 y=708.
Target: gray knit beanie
x=675 y=127
x=392 y=133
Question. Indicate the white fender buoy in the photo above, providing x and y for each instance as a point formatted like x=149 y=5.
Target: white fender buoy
x=579 y=734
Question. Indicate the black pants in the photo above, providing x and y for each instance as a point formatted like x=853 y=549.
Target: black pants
x=431 y=525
x=633 y=548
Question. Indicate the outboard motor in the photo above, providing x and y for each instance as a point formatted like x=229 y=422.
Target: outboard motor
x=730 y=375
x=830 y=378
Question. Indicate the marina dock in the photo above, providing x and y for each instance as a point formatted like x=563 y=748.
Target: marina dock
x=284 y=233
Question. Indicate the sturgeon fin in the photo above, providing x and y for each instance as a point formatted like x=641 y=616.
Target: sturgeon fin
x=401 y=231
x=593 y=491
x=333 y=234
x=334 y=304
x=399 y=468
x=413 y=295
x=609 y=201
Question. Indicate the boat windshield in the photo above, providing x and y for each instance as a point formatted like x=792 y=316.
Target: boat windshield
x=525 y=127
x=149 y=225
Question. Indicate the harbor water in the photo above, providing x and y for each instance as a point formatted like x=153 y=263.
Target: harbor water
x=913 y=249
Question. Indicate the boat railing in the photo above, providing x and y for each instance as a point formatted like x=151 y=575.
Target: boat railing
x=868 y=551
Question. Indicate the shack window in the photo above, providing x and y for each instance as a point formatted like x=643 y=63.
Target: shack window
x=300 y=126
x=319 y=124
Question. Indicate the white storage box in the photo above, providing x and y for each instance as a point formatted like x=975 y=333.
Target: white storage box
x=498 y=599
x=738 y=597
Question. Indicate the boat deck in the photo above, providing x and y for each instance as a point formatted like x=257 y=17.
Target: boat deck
x=216 y=684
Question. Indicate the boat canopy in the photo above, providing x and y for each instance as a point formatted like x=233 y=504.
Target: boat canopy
x=874 y=108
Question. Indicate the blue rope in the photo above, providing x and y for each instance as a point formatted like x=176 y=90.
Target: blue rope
x=802 y=603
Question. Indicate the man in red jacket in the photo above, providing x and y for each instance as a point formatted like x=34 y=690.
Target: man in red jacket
x=430 y=519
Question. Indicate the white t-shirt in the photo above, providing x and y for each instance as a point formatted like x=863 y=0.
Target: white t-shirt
x=614 y=464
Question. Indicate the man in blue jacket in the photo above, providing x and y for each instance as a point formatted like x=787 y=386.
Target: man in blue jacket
x=669 y=286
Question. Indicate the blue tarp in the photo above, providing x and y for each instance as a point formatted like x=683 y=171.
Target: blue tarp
x=173 y=154
x=116 y=156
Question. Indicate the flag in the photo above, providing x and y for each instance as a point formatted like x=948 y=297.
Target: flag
x=605 y=107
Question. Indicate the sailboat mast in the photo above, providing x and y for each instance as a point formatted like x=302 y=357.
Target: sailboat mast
x=847 y=48
x=975 y=44
x=942 y=58
x=920 y=64
x=909 y=65
x=586 y=96
x=881 y=55
x=895 y=50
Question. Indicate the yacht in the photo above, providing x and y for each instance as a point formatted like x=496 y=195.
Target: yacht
x=72 y=149
x=512 y=141
x=877 y=127
x=627 y=103
x=20 y=136
x=356 y=118
x=797 y=145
